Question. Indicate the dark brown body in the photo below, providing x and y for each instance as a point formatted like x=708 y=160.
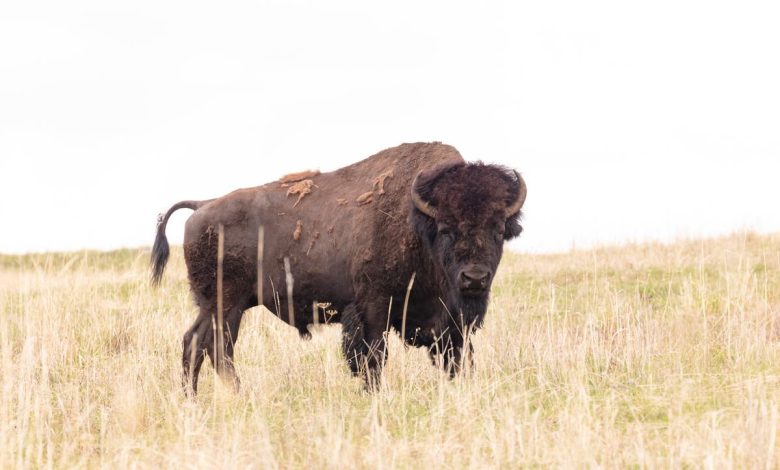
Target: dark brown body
x=351 y=243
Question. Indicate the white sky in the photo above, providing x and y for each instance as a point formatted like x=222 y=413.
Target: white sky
x=629 y=120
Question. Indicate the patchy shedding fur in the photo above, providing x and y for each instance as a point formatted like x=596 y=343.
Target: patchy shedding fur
x=313 y=241
x=365 y=198
x=378 y=184
x=301 y=188
x=301 y=175
x=298 y=230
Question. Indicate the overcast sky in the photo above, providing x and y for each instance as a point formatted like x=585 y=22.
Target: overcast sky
x=628 y=120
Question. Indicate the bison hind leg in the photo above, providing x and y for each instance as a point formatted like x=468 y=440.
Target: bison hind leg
x=198 y=343
x=194 y=345
x=226 y=368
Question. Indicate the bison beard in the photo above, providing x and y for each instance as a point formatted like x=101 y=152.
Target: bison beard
x=428 y=214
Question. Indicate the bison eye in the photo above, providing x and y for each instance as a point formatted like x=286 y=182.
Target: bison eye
x=499 y=233
x=446 y=233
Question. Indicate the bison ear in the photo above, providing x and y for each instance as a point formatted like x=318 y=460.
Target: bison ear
x=513 y=211
x=422 y=214
x=513 y=228
x=424 y=226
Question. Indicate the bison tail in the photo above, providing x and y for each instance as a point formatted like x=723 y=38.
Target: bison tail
x=161 y=250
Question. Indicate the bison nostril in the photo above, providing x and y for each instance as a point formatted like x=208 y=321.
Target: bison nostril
x=474 y=278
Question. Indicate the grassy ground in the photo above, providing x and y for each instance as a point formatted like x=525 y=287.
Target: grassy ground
x=651 y=355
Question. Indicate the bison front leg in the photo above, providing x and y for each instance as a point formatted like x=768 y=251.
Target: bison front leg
x=452 y=352
x=364 y=345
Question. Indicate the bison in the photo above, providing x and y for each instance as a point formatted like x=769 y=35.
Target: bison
x=409 y=238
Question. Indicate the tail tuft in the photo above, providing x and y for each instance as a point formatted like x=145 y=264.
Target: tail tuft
x=160 y=252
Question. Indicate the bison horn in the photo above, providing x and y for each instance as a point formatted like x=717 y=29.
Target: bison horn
x=522 y=191
x=420 y=204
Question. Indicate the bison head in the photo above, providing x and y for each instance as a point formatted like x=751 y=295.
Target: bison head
x=463 y=213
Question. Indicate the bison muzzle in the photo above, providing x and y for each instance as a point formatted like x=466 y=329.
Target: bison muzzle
x=352 y=240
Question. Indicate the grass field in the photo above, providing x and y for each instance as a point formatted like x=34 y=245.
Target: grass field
x=642 y=355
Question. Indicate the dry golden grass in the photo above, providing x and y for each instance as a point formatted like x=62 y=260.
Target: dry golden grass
x=646 y=355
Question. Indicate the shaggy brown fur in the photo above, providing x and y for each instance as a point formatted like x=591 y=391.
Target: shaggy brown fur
x=366 y=254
